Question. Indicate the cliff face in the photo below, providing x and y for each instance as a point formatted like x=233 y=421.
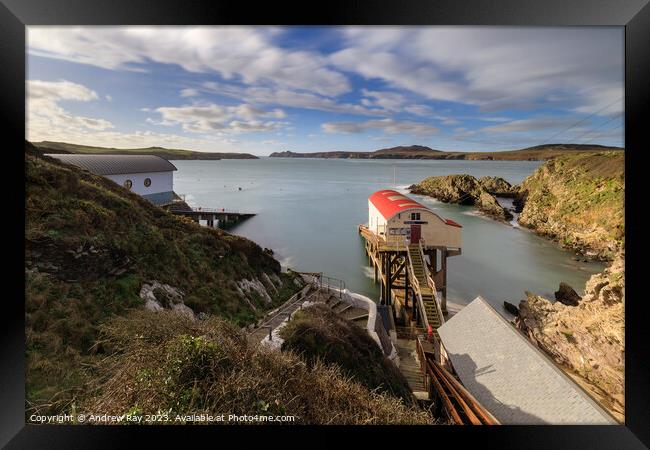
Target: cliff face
x=578 y=200
x=588 y=338
x=463 y=190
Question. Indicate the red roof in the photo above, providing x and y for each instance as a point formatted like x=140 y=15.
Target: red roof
x=389 y=203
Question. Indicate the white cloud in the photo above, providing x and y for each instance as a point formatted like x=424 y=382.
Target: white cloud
x=260 y=95
x=492 y=67
x=388 y=126
x=246 y=53
x=532 y=124
x=44 y=114
x=212 y=118
x=189 y=92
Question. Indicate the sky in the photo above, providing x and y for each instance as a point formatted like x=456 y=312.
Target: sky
x=305 y=89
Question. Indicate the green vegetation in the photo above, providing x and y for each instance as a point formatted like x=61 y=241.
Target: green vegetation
x=89 y=247
x=163 y=363
x=320 y=335
x=167 y=153
x=579 y=200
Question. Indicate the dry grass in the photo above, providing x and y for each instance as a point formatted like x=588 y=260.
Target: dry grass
x=162 y=362
x=320 y=335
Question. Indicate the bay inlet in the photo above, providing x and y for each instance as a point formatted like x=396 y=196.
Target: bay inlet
x=308 y=211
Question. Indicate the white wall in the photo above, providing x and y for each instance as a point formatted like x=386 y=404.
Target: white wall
x=160 y=182
x=434 y=232
x=376 y=222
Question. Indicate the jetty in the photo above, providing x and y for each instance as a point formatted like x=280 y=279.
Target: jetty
x=210 y=217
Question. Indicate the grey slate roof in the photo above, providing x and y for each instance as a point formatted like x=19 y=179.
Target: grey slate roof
x=511 y=377
x=116 y=164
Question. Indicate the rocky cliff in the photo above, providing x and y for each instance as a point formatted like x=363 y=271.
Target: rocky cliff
x=578 y=200
x=587 y=339
x=463 y=190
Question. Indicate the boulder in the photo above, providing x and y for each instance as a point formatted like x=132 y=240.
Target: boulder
x=567 y=295
x=512 y=309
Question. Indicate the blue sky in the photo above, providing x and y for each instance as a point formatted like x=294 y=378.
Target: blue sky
x=265 y=89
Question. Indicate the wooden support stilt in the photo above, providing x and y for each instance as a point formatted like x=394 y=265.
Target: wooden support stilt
x=406 y=288
x=443 y=260
x=389 y=280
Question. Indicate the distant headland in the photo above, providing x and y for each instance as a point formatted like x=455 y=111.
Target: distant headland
x=537 y=153
x=166 y=153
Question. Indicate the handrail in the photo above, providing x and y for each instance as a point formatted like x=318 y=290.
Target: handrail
x=431 y=283
x=418 y=294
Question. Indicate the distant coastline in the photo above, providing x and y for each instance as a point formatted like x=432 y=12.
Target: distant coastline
x=166 y=153
x=537 y=153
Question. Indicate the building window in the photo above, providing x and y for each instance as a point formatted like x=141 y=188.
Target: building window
x=147 y=182
x=128 y=184
x=415 y=216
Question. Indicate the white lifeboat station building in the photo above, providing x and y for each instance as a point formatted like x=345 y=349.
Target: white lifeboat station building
x=395 y=217
x=150 y=176
x=408 y=245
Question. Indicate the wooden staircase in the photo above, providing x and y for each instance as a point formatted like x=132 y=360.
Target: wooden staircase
x=424 y=289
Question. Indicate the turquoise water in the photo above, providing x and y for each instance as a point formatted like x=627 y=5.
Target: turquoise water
x=308 y=211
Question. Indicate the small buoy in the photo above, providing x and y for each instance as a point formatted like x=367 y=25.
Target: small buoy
x=239 y=188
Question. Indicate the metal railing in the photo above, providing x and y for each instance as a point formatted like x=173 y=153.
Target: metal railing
x=330 y=282
x=430 y=282
x=418 y=294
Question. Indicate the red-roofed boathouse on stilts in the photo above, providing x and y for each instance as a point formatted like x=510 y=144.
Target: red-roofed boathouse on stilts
x=408 y=245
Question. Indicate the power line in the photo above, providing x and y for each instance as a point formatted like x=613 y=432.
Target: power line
x=581 y=121
x=594 y=129
x=598 y=135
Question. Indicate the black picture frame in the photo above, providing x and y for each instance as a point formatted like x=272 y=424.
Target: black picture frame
x=634 y=15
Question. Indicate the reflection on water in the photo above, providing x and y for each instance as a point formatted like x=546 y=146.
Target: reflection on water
x=308 y=211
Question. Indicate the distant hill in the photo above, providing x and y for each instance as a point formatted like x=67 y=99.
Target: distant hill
x=537 y=153
x=166 y=153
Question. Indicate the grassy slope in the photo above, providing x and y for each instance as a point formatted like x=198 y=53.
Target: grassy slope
x=167 y=153
x=541 y=152
x=319 y=334
x=579 y=200
x=90 y=245
x=163 y=363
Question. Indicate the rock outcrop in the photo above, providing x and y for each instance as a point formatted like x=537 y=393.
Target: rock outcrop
x=512 y=309
x=498 y=186
x=587 y=339
x=567 y=295
x=579 y=201
x=464 y=190
x=159 y=296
